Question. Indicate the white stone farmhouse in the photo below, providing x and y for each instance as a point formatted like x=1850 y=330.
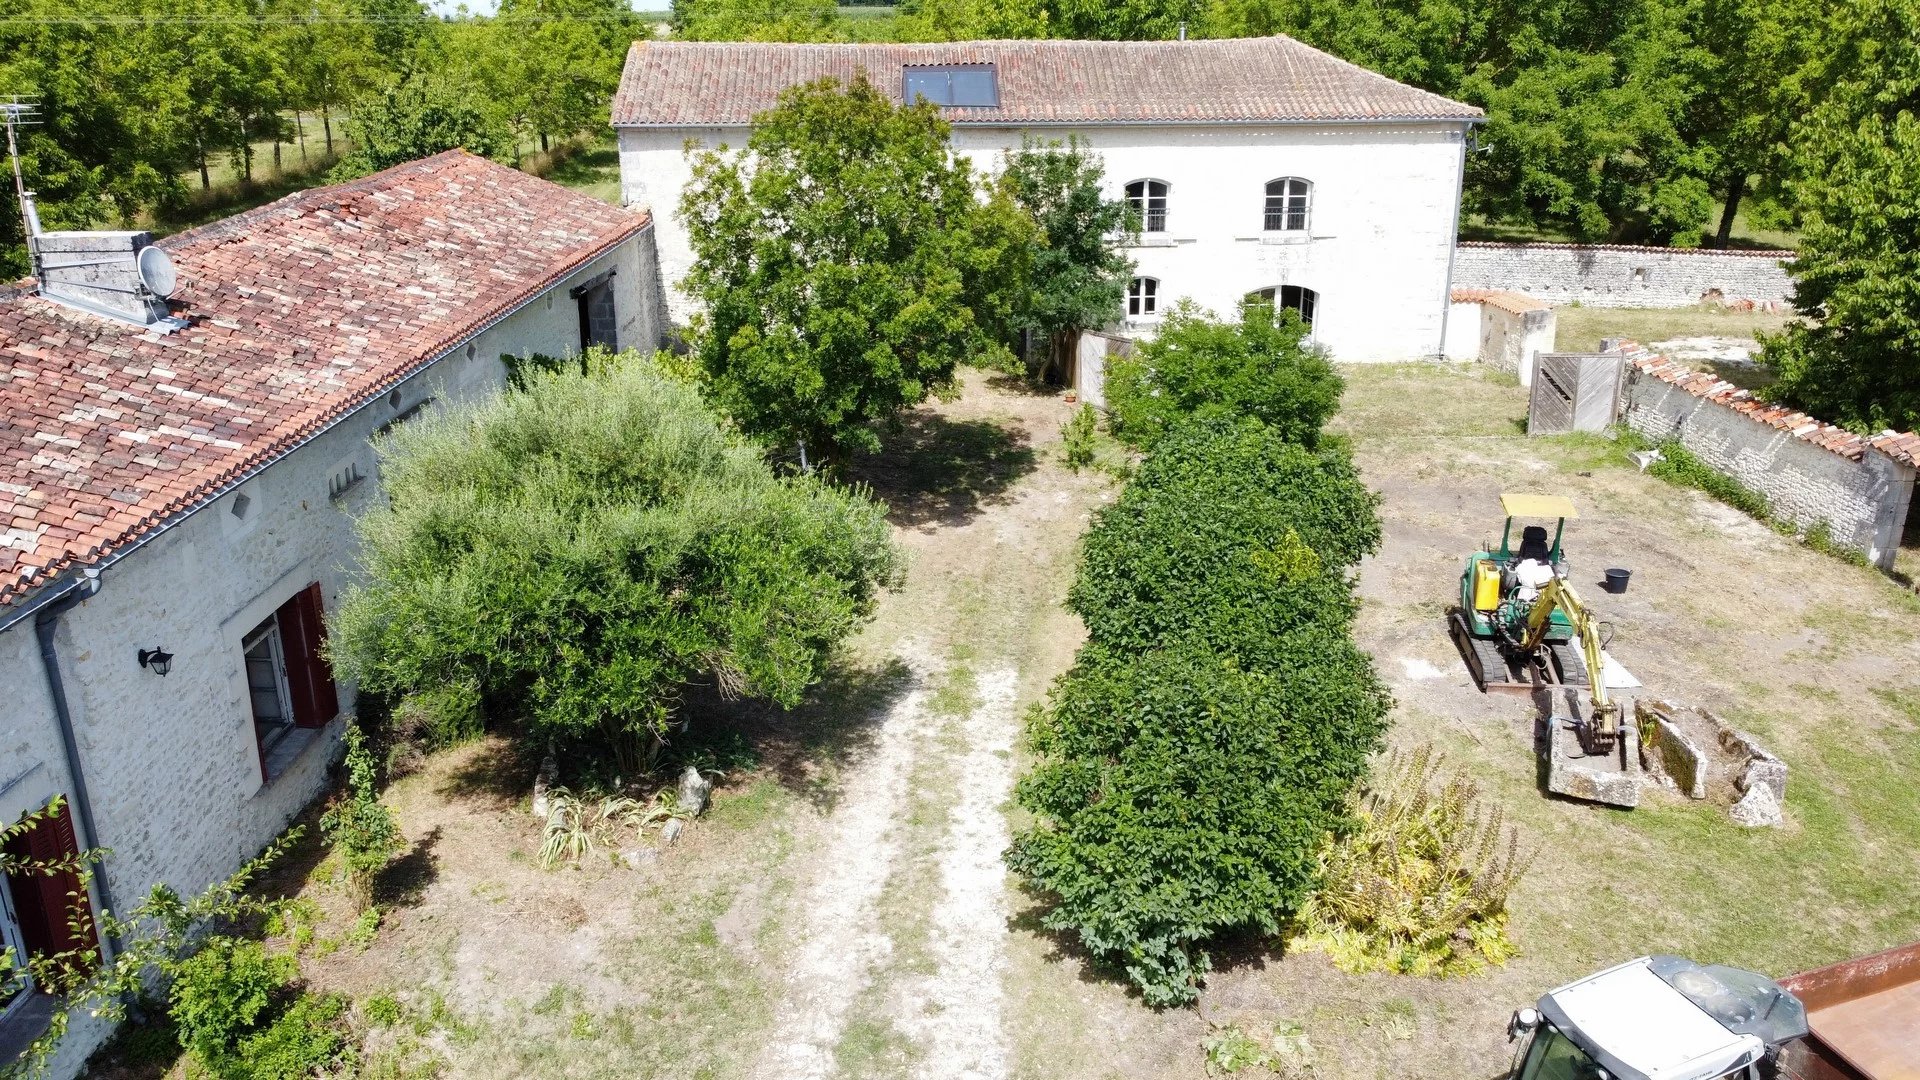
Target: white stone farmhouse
x=1259 y=166
x=177 y=486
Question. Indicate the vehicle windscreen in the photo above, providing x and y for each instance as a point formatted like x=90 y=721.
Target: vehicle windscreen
x=1553 y=1056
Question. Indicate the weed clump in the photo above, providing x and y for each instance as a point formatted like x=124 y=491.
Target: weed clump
x=1419 y=885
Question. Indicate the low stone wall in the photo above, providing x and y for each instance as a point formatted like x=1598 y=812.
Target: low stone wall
x=1811 y=473
x=1608 y=275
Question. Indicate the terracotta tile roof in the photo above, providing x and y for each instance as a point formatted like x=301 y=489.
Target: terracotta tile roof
x=1902 y=446
x=679 y=83
x=1517 y=303
x=299 y=312
x=1773 y=254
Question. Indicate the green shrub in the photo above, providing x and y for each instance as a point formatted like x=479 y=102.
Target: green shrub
x=1227 y=531
x=302 y=1041
x=1181 y=796
x=578 y=552
x=1260 y=367
x=222 y=992
x=360 y=828
x=1080 y=438
x=1419 y=886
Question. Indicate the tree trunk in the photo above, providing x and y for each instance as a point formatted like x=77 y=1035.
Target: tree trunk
x=300 y=133
x=1735 y=190
x=326 y=124
x=543 y=142
x=206 y=181
x=276 y=153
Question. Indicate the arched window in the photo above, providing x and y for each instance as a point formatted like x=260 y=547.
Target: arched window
x=1297 y=298
x=1149 y=199
x=1143 y=296
x=1288 y=200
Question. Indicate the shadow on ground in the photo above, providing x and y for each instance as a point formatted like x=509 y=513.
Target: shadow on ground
x=804 y=747
x=941 y=472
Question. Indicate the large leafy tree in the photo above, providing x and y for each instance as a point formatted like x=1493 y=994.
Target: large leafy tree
x=755 y=20
x=417 y=119
x=1857 y=168
x=1079 y=274
x=845 y=264
x=578 y=552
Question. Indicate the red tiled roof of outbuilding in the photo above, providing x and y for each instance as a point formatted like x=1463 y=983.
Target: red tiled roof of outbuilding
x=298 y=312
x=1239 y=80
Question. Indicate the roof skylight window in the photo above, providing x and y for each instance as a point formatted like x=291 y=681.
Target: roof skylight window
x=969 y=86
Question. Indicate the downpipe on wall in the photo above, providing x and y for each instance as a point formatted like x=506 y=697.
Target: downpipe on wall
x=46 y=623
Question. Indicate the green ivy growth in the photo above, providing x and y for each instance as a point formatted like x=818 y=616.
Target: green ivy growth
x=359 y=826
x=1080 y=438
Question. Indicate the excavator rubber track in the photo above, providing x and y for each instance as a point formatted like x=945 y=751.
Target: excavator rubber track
x=1492 y=668
x=1569 y=668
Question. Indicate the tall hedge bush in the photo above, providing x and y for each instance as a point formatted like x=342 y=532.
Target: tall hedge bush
x=578 y=552
x=1228 y=531
x=1257 y=365
x=1213 y=728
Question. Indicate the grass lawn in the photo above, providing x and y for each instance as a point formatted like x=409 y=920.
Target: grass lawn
x=590 y=165
x=1580 y=329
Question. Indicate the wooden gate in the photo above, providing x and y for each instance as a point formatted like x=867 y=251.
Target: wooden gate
x=1575 y=392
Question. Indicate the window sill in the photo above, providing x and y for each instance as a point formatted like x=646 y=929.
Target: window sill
x=1149 y=240
x=24 y=1024
x=290 y=748
x=1283 y=238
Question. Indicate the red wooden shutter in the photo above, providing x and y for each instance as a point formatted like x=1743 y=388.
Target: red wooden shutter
x=309 y=679
x=55 y=912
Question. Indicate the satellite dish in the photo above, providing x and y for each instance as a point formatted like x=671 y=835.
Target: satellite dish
x=156 y=272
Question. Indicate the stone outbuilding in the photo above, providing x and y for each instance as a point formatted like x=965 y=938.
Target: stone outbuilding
x=177 y=495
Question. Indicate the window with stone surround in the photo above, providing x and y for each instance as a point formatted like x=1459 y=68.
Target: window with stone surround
x=1289 y=199
x=1143 y=296
x=1149 y=200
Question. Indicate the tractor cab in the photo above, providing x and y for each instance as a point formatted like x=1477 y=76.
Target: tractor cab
x=1657 y=1018
x=1499 y=583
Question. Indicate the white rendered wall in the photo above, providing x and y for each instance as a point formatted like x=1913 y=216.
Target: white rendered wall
x=171 y=763
x=1376 y=252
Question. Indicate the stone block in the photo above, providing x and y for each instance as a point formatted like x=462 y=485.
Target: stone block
x=1613 y=780
x=1674 y=753
x=1757 y=809
x=694 y=792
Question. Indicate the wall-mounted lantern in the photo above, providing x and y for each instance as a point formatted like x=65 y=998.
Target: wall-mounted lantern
x=157 y=661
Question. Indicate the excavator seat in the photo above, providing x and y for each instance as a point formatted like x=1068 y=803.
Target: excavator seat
x=1533 y=544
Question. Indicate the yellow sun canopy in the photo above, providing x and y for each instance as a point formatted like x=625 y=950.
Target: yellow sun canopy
x=1538 y=506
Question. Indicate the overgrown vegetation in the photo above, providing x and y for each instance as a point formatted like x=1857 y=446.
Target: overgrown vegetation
x=1210 y=731
x=578 y=553
x=1260 y=366
x=360 y=828
x=845 y=265
x=241 y=1015
x=1419 y=884
x=1678 y=465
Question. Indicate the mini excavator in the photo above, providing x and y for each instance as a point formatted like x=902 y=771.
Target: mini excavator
x=1520 y=625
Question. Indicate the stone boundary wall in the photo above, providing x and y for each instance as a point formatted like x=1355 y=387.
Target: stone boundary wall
x=1812 y=473
x=1610 y=275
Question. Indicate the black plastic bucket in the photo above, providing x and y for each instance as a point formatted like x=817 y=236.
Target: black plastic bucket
x=1617 y=580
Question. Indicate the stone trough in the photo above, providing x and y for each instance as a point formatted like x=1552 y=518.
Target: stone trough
x=1701 y=756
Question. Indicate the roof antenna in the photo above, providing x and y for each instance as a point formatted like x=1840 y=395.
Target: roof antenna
x=20 y=112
